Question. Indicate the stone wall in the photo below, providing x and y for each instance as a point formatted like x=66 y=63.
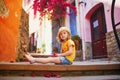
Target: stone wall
x=88 y=50
x=23 y=36
x=112 y=46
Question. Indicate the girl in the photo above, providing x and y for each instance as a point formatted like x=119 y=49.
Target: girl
x=67 y=54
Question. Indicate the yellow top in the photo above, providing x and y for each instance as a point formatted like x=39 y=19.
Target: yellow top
x=65 y=47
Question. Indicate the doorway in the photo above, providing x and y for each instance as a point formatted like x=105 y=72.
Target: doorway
x=98 y=30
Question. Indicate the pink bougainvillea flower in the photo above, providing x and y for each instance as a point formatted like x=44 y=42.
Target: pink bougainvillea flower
x=54 y=55
x=52 y=75
x=58 y=76
x=53 y=8
x=33 y=75
x=47 y=75
x=11 y=61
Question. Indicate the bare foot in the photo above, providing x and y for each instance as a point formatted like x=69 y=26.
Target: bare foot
x=30 y=58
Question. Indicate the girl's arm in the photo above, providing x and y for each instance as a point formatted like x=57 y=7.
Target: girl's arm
x=67 y=52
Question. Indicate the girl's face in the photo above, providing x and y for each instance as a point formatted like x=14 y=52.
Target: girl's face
x=63 y=35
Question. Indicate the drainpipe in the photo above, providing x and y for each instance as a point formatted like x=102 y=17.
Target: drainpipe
x=83 y=36
x=78 y=18
x=67 y=19
x=82 y=26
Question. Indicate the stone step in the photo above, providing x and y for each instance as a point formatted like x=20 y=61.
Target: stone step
x=76 y=69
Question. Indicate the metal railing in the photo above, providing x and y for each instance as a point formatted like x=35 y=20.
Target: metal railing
x=113 y=23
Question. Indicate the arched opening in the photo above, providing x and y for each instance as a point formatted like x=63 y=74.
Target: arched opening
x=98 y=30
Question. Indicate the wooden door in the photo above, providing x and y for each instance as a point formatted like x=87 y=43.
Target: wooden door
x=98 y=30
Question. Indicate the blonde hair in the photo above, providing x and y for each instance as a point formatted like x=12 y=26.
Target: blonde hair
x=63 y=29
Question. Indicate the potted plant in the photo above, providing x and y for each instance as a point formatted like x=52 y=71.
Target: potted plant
x=77 y=41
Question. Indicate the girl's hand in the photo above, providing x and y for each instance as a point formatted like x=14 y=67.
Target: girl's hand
x=59 y=55
x=56 y=54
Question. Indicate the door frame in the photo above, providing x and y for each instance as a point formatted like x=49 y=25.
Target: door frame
x=88 y=16
x=99 y=49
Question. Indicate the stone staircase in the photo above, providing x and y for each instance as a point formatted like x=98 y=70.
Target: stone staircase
x=76 y=69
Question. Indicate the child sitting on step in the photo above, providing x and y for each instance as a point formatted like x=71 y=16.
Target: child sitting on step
x=67 y=54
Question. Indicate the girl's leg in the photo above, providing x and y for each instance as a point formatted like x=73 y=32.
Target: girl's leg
x=42 y=60
x=48 y=60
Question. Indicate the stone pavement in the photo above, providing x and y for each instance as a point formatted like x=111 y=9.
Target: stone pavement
x=103 y=77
